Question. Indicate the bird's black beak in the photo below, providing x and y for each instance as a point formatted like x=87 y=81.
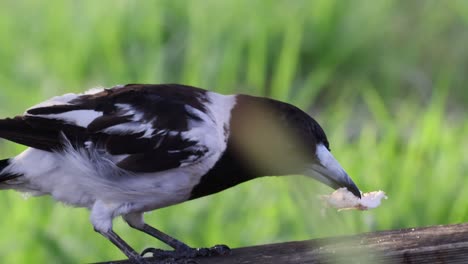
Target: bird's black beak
x=330 y=172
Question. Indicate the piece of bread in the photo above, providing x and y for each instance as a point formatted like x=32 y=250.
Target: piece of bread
x=342 y=199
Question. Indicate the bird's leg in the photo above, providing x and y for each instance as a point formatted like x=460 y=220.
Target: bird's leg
x=123 y=246
x=181 y=250
x=172 y=242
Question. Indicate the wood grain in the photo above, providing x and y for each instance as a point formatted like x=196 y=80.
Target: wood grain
x=436 y=244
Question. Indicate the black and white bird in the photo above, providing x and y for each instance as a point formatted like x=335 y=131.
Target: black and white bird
x=135 y=148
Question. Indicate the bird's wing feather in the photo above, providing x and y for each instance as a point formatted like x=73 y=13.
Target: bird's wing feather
x=147 y=126
x=20 y=130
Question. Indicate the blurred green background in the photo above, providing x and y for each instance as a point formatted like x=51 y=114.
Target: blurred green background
x=386 y=79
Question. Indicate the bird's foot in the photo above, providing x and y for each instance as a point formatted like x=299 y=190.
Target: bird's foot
x=188 y=252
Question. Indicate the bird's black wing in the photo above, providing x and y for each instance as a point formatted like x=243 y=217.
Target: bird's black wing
x=146 y=126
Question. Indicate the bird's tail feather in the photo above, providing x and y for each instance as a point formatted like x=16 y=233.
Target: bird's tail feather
x=33 y=132
x=11 y=129
x=6 y=176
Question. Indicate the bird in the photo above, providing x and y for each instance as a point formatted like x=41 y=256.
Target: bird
x=130 y=149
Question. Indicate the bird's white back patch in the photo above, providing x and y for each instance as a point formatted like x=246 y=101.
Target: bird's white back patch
x=220 y=108
x=211 y=131
x=218 y=115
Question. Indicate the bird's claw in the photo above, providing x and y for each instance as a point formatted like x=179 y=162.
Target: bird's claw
x=220 y=250
x=187 y=253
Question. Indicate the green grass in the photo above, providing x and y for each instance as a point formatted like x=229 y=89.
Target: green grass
x=386 y=79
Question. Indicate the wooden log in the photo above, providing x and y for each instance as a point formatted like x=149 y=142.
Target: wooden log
x=436 y=244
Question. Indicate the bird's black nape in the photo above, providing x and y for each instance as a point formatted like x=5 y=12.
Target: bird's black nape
x=278 y=137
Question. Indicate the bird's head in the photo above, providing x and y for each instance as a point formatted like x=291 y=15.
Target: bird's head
x=280 y=139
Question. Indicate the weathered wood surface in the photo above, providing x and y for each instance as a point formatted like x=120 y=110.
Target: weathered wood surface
x=436 y=244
